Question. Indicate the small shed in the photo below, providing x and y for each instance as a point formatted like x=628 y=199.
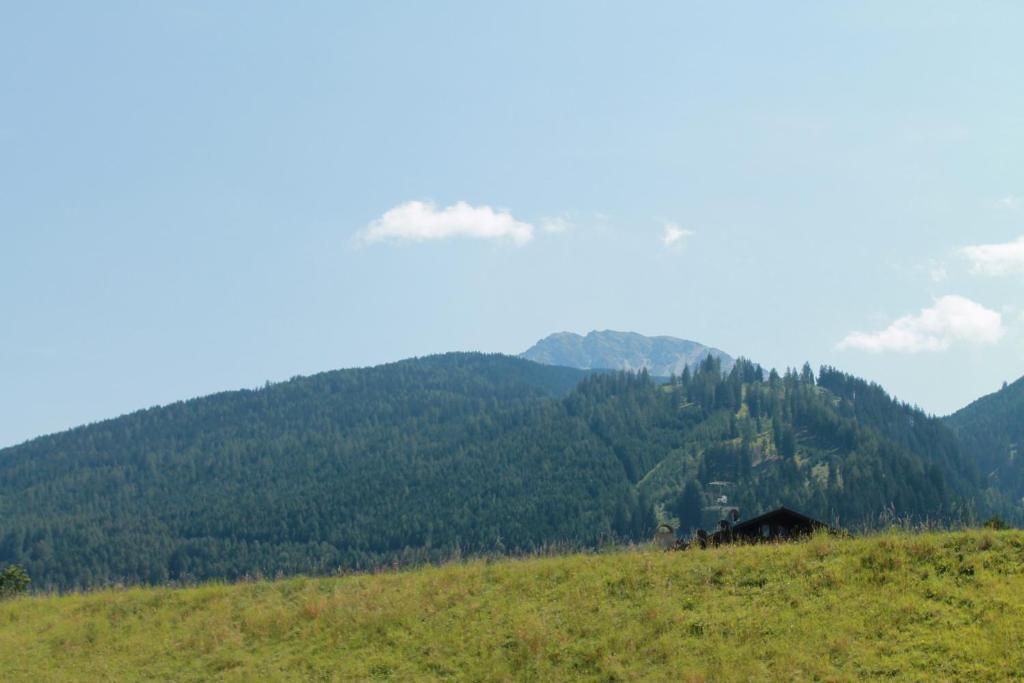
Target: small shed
x=781 y=523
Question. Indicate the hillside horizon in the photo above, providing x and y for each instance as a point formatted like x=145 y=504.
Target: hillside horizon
x=467 y=453
x=538 y=353
x=362 y=298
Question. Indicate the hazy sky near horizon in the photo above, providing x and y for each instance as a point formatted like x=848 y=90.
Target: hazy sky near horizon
x=203 y=196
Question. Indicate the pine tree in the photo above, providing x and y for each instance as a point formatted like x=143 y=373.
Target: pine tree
x=806 y=374
x=688 y=508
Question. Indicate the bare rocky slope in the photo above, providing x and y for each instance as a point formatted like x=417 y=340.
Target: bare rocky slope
x=611 y=350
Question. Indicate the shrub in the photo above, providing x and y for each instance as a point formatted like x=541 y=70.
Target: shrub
x=13 y=580
x=996 y=523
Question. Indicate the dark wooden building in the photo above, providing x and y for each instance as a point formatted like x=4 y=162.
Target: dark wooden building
x=780 y=523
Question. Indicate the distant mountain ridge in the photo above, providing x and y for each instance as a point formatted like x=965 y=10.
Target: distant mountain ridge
x=610 y=350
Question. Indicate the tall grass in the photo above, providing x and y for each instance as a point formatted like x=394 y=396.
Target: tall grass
x=896 y=605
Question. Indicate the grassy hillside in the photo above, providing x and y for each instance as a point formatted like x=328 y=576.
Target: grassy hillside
x=940 y=606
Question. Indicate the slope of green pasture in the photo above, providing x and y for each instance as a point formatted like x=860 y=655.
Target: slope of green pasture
x=936 y=606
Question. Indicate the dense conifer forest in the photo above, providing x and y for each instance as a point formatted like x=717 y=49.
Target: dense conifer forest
x=992 y=429
x=464 y=454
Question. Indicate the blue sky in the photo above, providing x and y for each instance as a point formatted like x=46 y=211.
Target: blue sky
x=204 y=196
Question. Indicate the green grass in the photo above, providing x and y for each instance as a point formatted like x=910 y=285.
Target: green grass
x=935 y=606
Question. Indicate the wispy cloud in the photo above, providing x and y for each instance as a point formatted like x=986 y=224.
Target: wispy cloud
x=675 y=236
x=554 y=224
x=937 y=272
x=950 y=320
x=423 y=221
x=1010 y=202
x=996 y=259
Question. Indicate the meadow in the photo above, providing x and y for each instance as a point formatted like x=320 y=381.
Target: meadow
x=897 y=605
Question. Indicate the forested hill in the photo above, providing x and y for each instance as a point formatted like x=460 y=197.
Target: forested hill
x=461 y=453
x=344 y=468
x=992 y=429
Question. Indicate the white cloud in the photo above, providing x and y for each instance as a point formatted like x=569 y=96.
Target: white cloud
x=675 y=235
x=421 y=221
x=996 y=259
x=1010 y=202
x=950 y=320
x=554 y=224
